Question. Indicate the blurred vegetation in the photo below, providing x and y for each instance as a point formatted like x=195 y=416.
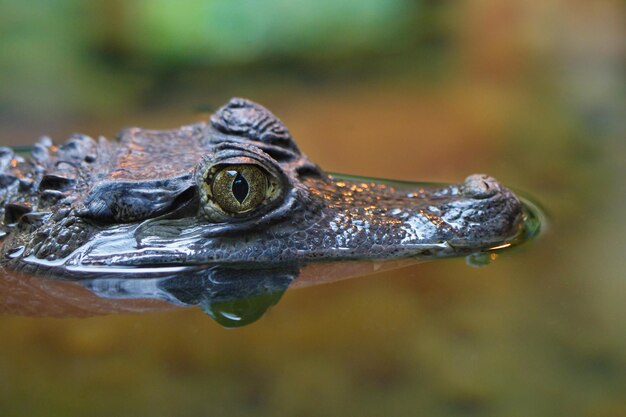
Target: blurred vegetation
x=242 y=31
x=64 y=57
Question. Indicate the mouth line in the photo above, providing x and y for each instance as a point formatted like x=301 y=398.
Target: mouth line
x=134 y=269
x=132 y=262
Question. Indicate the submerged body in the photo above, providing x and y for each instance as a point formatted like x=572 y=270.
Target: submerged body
x=236 y=191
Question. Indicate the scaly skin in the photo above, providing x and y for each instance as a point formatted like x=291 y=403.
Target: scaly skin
x=95 y=208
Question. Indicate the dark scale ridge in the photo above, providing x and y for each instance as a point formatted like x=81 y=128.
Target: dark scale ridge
x=241 y=117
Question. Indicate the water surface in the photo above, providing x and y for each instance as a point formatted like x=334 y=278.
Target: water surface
x=232 y=294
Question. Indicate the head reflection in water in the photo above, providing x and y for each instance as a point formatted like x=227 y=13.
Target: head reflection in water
x=232 y=297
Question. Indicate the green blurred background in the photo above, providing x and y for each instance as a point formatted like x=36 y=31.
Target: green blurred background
x=529 y=91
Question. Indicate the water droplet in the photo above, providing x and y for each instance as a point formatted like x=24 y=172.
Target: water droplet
x=480 y=259
x=240 y=312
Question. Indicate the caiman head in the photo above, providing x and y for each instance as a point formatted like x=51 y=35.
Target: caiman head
x=233 y=191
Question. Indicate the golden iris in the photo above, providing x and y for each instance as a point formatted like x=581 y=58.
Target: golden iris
x=239 y=188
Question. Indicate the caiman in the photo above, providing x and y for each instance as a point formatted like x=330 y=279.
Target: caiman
x=231 y=197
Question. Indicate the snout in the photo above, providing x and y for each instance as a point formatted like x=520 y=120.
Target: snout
x=480 y=186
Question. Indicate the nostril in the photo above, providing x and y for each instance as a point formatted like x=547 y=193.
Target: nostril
x=480 y=186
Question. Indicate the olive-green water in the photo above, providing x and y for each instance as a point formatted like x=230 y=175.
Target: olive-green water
x=530 y=92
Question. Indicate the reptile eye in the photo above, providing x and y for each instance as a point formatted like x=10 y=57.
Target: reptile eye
x=239 y=189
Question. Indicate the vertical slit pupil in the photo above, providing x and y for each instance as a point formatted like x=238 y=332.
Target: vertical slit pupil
x=240 y=188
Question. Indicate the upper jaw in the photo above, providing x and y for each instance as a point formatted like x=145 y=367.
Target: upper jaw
x=344 y=219
x=393 y=220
